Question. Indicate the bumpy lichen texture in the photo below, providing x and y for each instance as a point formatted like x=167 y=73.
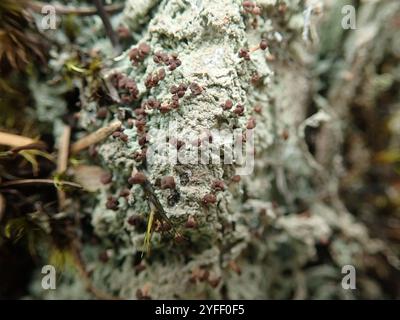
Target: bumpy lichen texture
x=266 y=234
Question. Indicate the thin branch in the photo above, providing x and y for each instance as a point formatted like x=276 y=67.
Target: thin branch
x=39 y=145
x=107 y=24
x=14 y=140
x=37 y=6
x=81 y=266
x=27 y=182
x=62 y=161
x=95 y=137
x=63 y=150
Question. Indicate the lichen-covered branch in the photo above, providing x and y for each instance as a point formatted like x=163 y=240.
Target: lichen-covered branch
x=198 y=68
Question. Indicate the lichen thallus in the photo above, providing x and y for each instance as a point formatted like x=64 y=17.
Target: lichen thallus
x=156 y=209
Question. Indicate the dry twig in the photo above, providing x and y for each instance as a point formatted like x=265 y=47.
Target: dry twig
x=81 y=266
x=107 y=24
x=14 y=140
x=95 y=137
x=62 y=161
x=27 y=182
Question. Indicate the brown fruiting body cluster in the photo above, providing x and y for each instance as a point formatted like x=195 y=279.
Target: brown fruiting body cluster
x=112 y=203
x=235 y=267
x=255 y=78
x=128 y=87
x=209 y=198
x=285 y=134
x=218 y=185
x=174 y=102
x=282 y=8
x=236 y=178
x=191 y=223
x=179 y=90
x=251 y=7
x=195 y=88
x=227 y=105
x=244 y=53
x=142 y=140
x=167 y=182
x=177 y=93
x=143 y=294
x=214 y=281
x=123 y=32
x=137 y=178
x=130 y=123
x=140 y=124
x=263 y=44
x=138 y=54
x=258 y=109
x=203 y=275
x=119 y=134
x=124 y=193
x=199 y=274
x=134 y=220
x=171 y=61
x=178 y=144
x=104 y=257
x=139 y=156
x=251 y=123
x=164 y=108
x=239 y=110
x=153 y=79
x=151 y=103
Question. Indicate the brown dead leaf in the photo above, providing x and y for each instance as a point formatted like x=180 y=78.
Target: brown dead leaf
x=89 y=177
